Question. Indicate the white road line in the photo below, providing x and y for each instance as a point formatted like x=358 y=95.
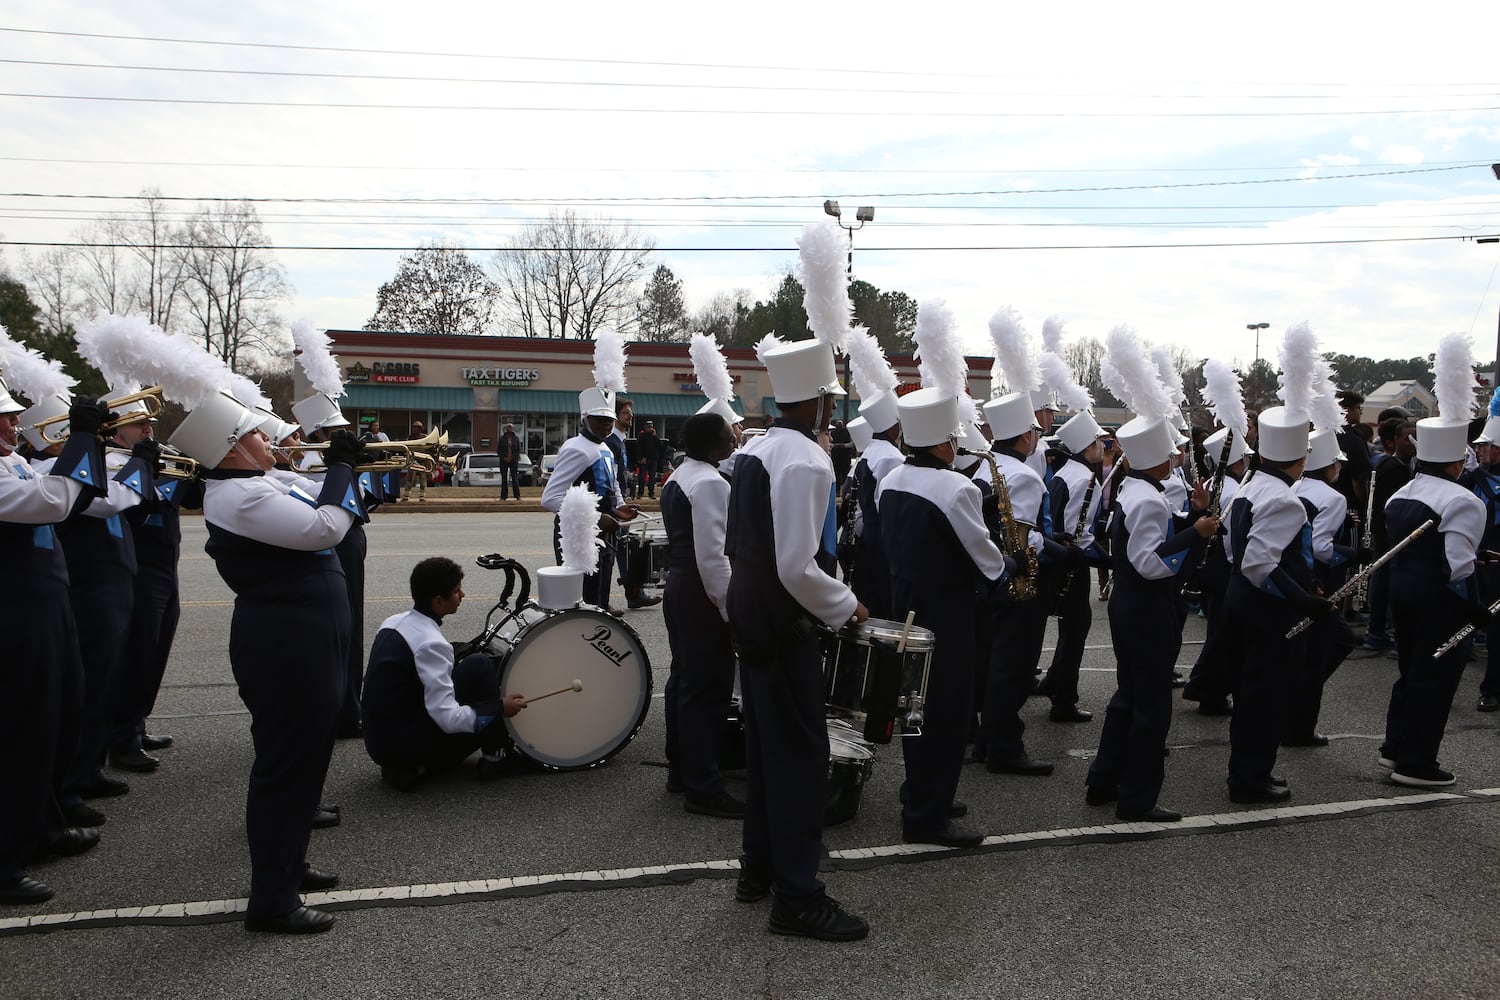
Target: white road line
x=218 y=910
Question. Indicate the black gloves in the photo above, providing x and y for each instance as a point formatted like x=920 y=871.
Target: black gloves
x=1073 y=557
x=344 y=449
x=1315 y=607
x=1479 y=616
x=148 y=451
x=87 y=414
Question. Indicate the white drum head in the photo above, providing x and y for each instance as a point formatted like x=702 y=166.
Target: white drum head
x=577 y=729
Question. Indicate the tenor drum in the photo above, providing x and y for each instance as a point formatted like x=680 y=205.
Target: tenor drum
x=851 y=761
x=867 y=681
x=576 y=729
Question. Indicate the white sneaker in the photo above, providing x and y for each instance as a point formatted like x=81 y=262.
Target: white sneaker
x=1387 y=763
x=1424 y=777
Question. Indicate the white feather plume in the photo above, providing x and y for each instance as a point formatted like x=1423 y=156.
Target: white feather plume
x=1013 y=351
x=1453 y=378
x=317 y=360
x=609 y=360
x=1325 y=414
x=31 y=373
x=128 y=350
x=1171 y=378
x=873 y=374
x=767 y=343
x=243 y=388
x=578 y=523
x=1133 y=376
x=1052 y=334
x=823 y=260
x=1298 y=355
x=939 y=354
x=1221 y=390
x=1057 y=374
x=710 y=367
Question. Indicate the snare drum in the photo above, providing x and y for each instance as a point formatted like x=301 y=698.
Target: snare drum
x=576 y=729
x=851 y=761
x=866 y=680
x=649 y=546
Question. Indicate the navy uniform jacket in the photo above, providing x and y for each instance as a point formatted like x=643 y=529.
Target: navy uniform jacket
x=1270 y=538
x=694 y=506
x=1443 y=558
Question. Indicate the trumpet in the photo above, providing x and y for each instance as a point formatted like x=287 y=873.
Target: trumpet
x=150 y=398
x=170 y=465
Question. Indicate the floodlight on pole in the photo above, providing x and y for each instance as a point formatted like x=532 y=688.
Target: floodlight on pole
x=863 y=214
x=831 y=207
x=1257 y=327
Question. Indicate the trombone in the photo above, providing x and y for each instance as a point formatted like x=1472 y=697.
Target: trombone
x=170 y=464
x=422 y=454
x=150 y=398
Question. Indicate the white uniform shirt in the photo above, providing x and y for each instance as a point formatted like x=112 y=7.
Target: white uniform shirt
x=28 y=498
x=433 y=656
x=708 y=493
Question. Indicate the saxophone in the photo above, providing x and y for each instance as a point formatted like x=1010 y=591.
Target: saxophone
x=1014 y=540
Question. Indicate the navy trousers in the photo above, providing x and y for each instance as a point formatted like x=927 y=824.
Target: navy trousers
x=699 y=688
x=1074 y=619
x=935 y=759
x=416 y=741
x=153 y=625
x=1015 y=650
x=1258 y=624
x=351 y=553
x=102 y=604
x=1423 y=693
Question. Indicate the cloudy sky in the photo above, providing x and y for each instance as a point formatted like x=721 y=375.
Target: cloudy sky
x=1185 y=168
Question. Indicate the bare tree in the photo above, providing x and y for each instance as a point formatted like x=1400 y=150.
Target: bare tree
x=1083 y=357
x=107 y=280
x=570 y=276
x=52 y=278
x=161 y=256
x=233 y=284
x=719 y=316
x=437 y=289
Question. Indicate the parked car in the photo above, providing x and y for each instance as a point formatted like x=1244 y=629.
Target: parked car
x=482 y=468
x=444 y=474
x=549 y=462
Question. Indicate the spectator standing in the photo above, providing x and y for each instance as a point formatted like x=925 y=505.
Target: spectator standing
x=510 y=459
x=649 y=446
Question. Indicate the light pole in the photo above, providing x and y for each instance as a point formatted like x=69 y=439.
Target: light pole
x=1256 y=328
x=863 y=214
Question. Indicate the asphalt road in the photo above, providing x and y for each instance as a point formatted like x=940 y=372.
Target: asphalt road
x=597 y=884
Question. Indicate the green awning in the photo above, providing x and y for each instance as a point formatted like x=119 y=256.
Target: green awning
x=407 y=397
x=769 y=408
x=647 y=404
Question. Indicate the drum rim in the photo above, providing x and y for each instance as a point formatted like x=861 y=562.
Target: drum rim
x=890 y=631
x=518 y=640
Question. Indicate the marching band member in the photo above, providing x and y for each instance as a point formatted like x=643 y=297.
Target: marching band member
x=586 y=459
x=423 y=712
x=711 y=369
x=274 y=549
x=779 y=539
x=940 y=550
x=1272 y=585
x=872 y=576
x=1433 y=590
x=42 y=654
x=694 y=505
x=1485 y=482
x=1145 y=624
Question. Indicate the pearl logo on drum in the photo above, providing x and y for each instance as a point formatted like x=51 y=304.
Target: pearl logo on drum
x=600 y=641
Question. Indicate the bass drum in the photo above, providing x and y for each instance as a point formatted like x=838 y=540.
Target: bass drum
x=579 y=729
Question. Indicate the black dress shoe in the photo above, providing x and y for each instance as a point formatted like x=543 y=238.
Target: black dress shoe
x=1156 y=814
x=138 y=761
x=316 y=881
x=352 y=731
x=723 y=805
x=1100 y=795
x=1020 y=765
x=1215 y=706
x=73 y=841
x=958 y=809
x=24 y=889
x=332 y=807
x=302 y=920
x=323 y=819
x=153 y=742
x=675 y=786
x=1489 y=703
x=951 y=835
x=1305 y=740
x=753 y=885
x=103 y=787
x=1267 y=794
x=79 y=814
x=1178 y=681
x=825 y=921
x=1069 y=713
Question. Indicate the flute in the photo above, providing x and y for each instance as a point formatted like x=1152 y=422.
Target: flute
x=1364 y=574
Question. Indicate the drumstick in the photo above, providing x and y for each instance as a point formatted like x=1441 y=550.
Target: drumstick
x=577 y=685
x=905 y=631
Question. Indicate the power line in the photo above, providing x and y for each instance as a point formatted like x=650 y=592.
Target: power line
x=747 y=198
x=737 y=112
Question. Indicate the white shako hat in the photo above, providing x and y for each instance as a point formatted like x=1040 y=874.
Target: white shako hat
x=51 y=406
x=276 y=429
x=1213 y=446
x=317 y=412
x=559 y=588
x=1079 y=432
x=8 y=403
x=969 y=438
x=1146 y=442
x=860 y=433
x=928 y=417
x=1323 y=449
x=801 y=370
x=1283 y=435
x=132 y=412
x=723 y=409
x=212 y=428
x=881 y=412
x=1491 y=432
x=1440 y=440
x=597 y=402
x=1010 y=416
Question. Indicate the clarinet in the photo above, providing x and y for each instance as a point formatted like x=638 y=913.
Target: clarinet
x=1215 y=505
x=1116 y=477
x=1013 y=534
x=1367 y=541
x=1083 y=521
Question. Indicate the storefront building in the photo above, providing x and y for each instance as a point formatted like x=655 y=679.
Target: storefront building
x=471 y=387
